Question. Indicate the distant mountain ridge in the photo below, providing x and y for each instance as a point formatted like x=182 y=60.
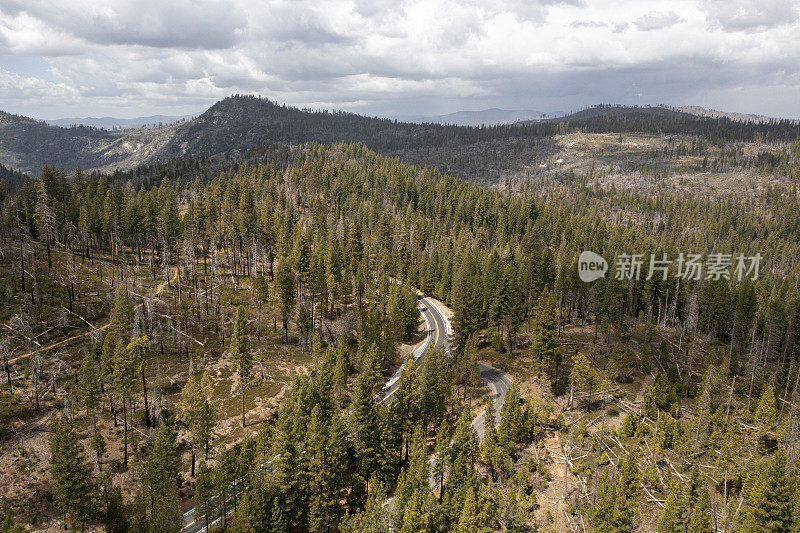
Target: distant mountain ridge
x=740 y=117
x=485 y=117
x=233 y=124
x=620 y=111
x=238 y=124
x=118 y=123
x=27 y=144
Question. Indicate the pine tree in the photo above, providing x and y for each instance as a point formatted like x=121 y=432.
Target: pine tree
x=467 y=368
x=768 y=498
x=121 y=315
x=160 y=480
x=373 y=518
x=279 y=521
x=441 y=455
x=364 y=426
x=583 y=376
x=468 y=520
x=89 y=385
x=98 y=444
x=688 y=507
x=198 y=413
x=466 y=303
x=493 y=452
x=507 y=303
x=407 y=402
x=305 y=326
x=73 y=486
x=326 y=452
x=413 y=510
x=113 y=512
x=701 y=513
x=258 y=508
x=510 y=427
x=124 y=385
x=302 y=260
x=673 y=517
x=137 y=351
x=544 y=342
x=204 y=493
x=285 y=280
x=434 y=389
x=615 y=511
x=767 y=410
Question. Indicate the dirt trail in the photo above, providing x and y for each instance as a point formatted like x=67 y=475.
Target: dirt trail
x=158 y=291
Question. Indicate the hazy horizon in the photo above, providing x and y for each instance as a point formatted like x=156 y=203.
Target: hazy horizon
x=404 y=117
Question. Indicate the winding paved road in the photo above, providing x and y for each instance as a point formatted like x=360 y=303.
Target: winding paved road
x=499 y=383
x=438 y=335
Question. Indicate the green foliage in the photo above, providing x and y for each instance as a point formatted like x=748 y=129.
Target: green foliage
x=204 y=492
x=511 y=421
x=467 y=370
x=628 y=428
x=159 y=502
x=403 y=312
x=662 y=394
x=343 y=224
x=72 y=480
x=373 y=519
x=688 y=508
x=619 y=364
x=769 y=497
x=98 y=444
x=583 y=376
x=668 y=432
x=616 y=507
x=544 y=344
x=766 y=414
x=197 y=411
x=240 y=346
x=113 y=512
x=285 y=280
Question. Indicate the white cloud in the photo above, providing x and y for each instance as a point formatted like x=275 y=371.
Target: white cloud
x=16 y=87
x=115 y=57
x=172 y=24
x=657 y=20
x=750 y=15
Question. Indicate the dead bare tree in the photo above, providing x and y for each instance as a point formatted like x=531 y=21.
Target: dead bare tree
x=5 y=352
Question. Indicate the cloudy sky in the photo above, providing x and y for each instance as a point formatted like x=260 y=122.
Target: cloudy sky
x=66 y=58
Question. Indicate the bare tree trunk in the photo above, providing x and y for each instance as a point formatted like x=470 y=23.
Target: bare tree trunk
x=125 y=430
x=144 y=394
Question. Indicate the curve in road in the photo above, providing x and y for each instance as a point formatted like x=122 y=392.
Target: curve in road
x=438 y=335
x=438 y=331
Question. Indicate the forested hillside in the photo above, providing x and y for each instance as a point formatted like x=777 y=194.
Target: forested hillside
x=240 y=124
x=219 y=339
